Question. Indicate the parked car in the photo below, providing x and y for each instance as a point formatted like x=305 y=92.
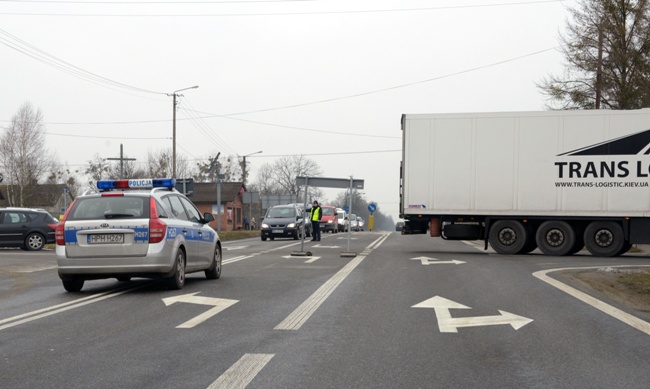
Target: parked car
x=329 y=221
x=27 y=228
x=282 y=221
x=135 y=228
x=343 y=221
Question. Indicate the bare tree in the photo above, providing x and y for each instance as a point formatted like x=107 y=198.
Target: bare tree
x=207 y=171
x=606 y=52
x=280 y=177
x=97 y=169
x=126 y=170
x=64 y=175
x=23 y=155
x=159 y=164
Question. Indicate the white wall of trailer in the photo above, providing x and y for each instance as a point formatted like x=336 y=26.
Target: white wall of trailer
x=505 y=163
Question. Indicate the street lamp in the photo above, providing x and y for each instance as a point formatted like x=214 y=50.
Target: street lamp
x=244 y=172
x=175 y=93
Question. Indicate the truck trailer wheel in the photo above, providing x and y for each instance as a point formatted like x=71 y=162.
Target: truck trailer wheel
x=604 y=239
x=508 y=237
x=556 y=238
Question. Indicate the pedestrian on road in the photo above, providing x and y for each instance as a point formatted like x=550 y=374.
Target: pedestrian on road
x=246 y=224
x=315 y=216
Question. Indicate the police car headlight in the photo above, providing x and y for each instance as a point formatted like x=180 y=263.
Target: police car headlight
x=291 y=225
x=264 y=225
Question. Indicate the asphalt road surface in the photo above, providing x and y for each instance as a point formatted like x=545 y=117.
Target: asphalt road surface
x=406 y=312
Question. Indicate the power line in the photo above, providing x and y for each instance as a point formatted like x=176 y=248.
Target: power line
x=394 y=87
x=288 y=13
x=21 y=46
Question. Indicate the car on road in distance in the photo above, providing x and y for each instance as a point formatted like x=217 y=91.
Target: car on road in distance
x=399 y=226
x=28 y=228
x=329 y=221
x=282 y=221
x=352 y=218
x=135 y=228
x=343 y=221
x=360 y=223
x=305 y=213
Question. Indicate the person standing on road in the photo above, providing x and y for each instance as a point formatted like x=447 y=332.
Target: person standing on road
x=315 y=215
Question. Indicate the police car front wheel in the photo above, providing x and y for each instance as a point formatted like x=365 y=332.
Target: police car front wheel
x=214 y=271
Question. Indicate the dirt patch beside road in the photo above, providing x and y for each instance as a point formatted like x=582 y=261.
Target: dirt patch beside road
x=625 y=288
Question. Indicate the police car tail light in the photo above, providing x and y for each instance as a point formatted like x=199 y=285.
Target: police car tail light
x=59 y=231
x=157 y=228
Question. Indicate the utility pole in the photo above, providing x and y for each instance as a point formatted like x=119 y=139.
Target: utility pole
x=175 y=93
x=214 y=167
x=121 y=159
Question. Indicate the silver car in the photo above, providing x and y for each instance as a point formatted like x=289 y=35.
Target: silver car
x=135 y=228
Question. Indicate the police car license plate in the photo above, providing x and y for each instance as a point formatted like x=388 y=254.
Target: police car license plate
x=105 y=238
x=277 y=231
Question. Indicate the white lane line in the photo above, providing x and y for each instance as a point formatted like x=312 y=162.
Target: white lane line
x=35 y=315
x=301 y=314
x=616 y=313
x=236 y=259
x=240 y=374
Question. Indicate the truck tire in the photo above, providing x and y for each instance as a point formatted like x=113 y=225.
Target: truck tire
x=604 y=239
x=508 y=237
x=626 y=247
x=556 y=238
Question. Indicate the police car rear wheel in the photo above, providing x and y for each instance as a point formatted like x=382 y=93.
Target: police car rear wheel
x=177 y=281
x=214 y=271
x=73 y=285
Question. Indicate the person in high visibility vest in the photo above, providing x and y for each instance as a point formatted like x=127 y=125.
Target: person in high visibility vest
x=315 y=215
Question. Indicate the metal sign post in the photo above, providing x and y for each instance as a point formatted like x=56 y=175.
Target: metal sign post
x=324 y=182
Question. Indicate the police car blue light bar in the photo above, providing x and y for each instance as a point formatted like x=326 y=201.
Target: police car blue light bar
x=144 y=183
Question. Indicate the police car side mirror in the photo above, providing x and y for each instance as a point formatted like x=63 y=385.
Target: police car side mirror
x=208 y=217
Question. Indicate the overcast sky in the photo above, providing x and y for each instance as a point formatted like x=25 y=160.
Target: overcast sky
x=325 y=78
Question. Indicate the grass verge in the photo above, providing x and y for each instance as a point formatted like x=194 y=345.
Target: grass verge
x=234 y=235
x=639 y=282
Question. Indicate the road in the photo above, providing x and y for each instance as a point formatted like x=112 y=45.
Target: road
x=406 y=312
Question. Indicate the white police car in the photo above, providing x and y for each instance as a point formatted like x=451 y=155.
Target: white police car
x=135 y=228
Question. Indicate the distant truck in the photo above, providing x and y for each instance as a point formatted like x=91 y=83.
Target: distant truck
x=554 y=180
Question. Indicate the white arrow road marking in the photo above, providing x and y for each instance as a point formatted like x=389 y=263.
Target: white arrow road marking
x=219 y=305
x=242 y=372
x=435 y=261
x=446 y=323
x=309 y=259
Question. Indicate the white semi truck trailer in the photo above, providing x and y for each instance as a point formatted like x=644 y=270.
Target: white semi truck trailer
x=554 y=180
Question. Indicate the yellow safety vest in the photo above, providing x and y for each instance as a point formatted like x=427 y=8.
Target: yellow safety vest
x=315 y=216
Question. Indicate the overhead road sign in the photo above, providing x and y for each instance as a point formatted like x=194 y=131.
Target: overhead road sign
x=324 y=182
